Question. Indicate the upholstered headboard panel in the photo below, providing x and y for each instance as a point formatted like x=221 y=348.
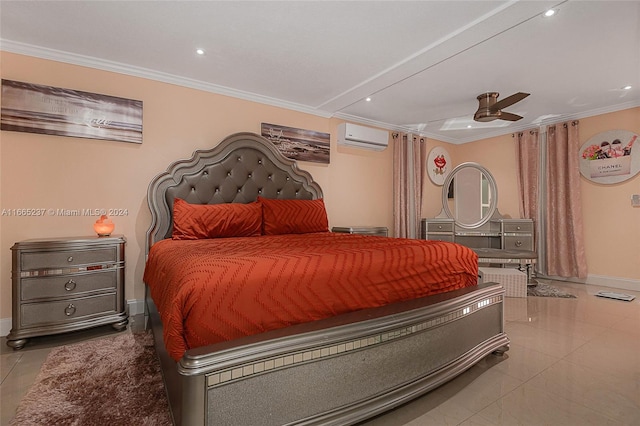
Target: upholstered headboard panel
x=238 y=170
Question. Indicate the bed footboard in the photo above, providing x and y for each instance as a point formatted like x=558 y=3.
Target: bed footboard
x=337 y=371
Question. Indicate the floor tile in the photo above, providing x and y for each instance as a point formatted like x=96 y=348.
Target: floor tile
x=615 y=396
x=528 y=405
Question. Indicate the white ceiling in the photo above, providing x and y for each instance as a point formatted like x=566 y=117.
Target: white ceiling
x=422 y=62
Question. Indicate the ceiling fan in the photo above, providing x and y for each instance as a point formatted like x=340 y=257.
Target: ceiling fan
x=491 y=109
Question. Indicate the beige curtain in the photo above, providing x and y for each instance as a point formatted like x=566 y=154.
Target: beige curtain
x=564 y=242
x=409 y=158
x=528 y=164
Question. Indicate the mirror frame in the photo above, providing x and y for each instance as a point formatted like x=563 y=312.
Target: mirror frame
x=492 y=185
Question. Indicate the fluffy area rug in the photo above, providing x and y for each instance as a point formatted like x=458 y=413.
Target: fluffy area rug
x=109 y=381
x=545 y=290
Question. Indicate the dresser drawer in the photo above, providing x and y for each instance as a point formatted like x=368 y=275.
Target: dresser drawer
x=62 y=259
x=519 y=242
x=47 y=313
x=517 y=227
x=439 y=227
x=67 y=285
x=440 y=237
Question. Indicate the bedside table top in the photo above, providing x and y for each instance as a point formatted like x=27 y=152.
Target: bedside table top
x=379 y=231
x=68 y=241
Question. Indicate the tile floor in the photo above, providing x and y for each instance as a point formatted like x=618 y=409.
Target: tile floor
x=571 y=362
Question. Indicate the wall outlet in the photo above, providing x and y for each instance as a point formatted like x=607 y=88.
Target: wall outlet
x=635 y=200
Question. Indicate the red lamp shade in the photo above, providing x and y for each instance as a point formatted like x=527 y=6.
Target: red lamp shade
x=104 y=226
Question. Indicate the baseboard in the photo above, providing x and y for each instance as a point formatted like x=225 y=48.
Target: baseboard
x=135 y=307
x=613 y=282
x=5 y=326
x=603 y=281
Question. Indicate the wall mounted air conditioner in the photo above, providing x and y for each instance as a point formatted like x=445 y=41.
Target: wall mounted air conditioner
x=356 y=136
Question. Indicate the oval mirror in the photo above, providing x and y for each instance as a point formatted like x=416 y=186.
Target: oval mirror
x=469 y=195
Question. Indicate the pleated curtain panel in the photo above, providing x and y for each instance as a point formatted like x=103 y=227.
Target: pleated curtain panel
x=565 y=237
x=409 y=169
x=549 y=189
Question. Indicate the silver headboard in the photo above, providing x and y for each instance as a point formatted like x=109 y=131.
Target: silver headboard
x=238 y=170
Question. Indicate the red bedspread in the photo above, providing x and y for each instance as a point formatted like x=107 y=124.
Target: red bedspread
x=213 y=290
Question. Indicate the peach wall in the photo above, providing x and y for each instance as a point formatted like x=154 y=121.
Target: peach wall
x=611 y=224
x=41 y=171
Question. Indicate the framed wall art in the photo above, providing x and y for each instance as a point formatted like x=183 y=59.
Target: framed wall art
x=438 y=165
x=610 y=157
x=35 y=108
x=298 y=144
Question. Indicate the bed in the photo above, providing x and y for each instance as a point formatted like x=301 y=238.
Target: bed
x=281 y=321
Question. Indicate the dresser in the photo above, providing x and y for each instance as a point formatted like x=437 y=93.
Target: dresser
x=500 y=241
x=470 y=217
x=66 y=284
x=499 y=234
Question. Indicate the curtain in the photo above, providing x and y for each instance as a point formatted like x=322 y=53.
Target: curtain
x=409 y=168
x=528 y=165
x=564 y=242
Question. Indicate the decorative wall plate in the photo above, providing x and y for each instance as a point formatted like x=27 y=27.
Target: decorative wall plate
x=610 y=157
x=438 y=165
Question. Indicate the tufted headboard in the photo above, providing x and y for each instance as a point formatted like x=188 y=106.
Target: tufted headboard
x=238 y=170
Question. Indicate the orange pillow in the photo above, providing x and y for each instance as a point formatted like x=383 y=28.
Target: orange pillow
x=199 y=221
x=293 y=216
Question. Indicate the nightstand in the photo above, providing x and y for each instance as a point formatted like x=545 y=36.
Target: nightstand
x=379 y=231
x=66 y=284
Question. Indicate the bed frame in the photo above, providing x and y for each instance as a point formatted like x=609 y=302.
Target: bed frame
x=335 y=371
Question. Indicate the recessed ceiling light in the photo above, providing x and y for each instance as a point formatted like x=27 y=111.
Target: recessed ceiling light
x=626 y=88
x=469 y=126
x=368 y=99
x=549 y=13
x=200 y=51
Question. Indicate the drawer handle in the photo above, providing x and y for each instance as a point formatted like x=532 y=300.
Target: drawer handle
x=70 y=259
x=518 y=228
x=70 y=285
x=439 y=226
x=70 y=310
x=518 y=243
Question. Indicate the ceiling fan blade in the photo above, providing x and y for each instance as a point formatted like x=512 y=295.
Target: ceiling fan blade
x=508 y=101
x=509 y=116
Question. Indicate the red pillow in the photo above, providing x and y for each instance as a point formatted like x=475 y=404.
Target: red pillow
x=198 y=221
x=293 y=216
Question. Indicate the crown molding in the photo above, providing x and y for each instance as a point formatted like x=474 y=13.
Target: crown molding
x=120 y=68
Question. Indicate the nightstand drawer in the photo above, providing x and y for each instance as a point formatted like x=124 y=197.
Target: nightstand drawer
x=47 y=313
x=67 y=285
x=439 y=227
x=517 y=227
x=62 y=259
x=520 y=242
